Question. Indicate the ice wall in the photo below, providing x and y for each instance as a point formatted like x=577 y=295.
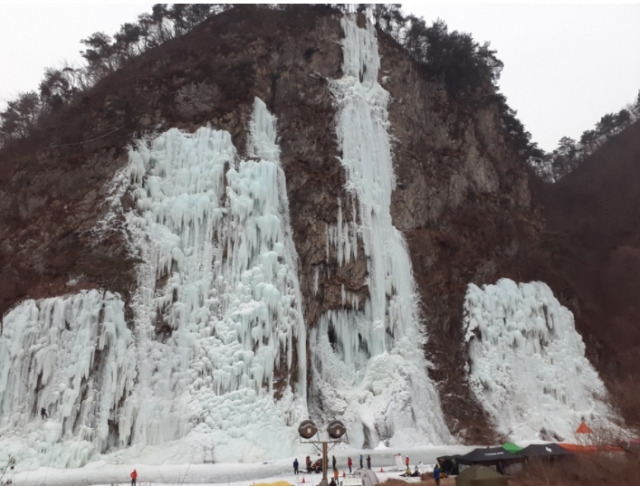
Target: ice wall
x=204 y=369
x=221 y=279
x=369 y=366
x=527 y=363
x=71 y=356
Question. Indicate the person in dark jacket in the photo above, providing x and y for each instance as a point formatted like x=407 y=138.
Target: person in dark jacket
x=368 y=462
x=295 y=466
x=43 y=413
x=436 y=474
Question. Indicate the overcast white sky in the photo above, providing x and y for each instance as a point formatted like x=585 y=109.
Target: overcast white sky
x=566 y=64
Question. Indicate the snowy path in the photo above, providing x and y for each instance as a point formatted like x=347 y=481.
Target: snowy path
x=238 y=474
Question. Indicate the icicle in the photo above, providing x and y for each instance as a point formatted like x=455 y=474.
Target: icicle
x=262 y=130
x=342 y=238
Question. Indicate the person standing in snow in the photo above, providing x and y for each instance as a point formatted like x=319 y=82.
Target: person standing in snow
x=333 y=459
x=43 y=413
x=295 y=466
x=406 y=461
x=361 y=459
x=349 y=464
x=368 y=462
x=436 y=474
x=134 y=476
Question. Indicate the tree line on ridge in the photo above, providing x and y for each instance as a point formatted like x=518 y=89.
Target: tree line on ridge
x=469 y=71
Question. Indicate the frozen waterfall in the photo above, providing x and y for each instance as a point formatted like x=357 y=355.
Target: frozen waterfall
x=528 y=367
x=69 y=356
x=373 y=374
x=220 y=286
x=206 y=371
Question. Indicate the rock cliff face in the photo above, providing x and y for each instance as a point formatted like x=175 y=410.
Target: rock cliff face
x=464 y=204
x=462 y=199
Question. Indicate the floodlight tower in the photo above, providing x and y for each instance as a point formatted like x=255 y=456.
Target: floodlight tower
x=336 y=429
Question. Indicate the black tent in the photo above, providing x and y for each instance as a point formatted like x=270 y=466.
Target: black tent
x=449 y=465
x=490 y=456
x=550 y=450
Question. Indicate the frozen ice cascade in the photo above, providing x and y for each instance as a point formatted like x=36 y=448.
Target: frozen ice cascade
x=373 y=374
x=527 y=363
x=70 y=356
x=204 y=373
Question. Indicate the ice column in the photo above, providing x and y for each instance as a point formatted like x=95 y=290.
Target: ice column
x=524 y=350
x=373 y=372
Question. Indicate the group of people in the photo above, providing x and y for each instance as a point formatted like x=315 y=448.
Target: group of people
x=416 y=471
x=311 y=466
x=317 y=465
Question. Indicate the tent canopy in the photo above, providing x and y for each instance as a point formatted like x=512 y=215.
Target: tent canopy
x=590 y=448
x=511 y=447
x=480 y=476
x=368 y=476
x=490 y=455
x=544 y=450
x=583 y=428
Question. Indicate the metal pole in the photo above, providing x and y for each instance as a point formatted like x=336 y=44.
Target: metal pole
x=324 y=462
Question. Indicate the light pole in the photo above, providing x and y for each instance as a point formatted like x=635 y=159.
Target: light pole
x=335 y=429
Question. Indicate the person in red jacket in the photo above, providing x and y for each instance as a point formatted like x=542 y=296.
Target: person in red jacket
x=134 y=476
x=349 y=464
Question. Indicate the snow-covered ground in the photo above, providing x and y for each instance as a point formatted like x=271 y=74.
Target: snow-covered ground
x=154 y=471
